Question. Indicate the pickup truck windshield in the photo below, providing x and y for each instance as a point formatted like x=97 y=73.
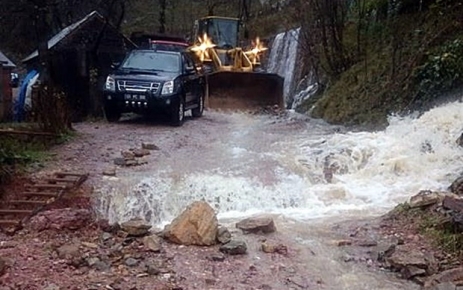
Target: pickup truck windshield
x=151 y=60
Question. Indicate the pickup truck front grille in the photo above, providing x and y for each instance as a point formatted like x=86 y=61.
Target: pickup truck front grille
x=137 y=86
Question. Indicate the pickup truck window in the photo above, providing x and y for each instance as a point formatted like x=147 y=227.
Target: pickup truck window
x=156 y=61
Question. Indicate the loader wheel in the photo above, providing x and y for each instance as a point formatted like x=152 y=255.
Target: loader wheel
x=178 y=113
x=112 y=114
x=198 y=111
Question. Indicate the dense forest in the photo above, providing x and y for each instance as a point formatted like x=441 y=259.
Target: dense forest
x=370 y=57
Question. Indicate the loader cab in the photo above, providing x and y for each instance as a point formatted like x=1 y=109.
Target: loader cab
x=223 y=31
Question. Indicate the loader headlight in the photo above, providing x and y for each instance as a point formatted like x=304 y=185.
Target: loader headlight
x=167 y=88
x=110 y=84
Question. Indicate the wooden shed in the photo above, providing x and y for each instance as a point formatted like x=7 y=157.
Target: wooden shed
x=80 y=59
x=6 y=95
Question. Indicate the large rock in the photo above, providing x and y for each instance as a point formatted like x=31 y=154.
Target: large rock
x=136 y=227
x=196 y=225
x=257 y=224
x=448 y=276
x=411 y=262
x=457 y=186
x=60 y=219
x=425 y=198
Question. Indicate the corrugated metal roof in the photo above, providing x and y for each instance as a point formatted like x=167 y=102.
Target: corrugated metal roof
x=8 y=62
x=62 y=34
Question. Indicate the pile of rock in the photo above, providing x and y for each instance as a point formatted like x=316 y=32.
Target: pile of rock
x=132 y=157
x=198 y=225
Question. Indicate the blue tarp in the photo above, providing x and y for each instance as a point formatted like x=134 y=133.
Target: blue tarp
x=21 y=98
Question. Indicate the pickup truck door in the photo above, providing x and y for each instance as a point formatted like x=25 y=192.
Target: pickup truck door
x=190 y=81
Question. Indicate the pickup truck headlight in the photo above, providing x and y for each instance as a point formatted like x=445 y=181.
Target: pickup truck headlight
x=110 y=84
x=167 y=88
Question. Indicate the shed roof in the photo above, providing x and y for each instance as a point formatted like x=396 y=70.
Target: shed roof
x=6 y=61
x=65 y=32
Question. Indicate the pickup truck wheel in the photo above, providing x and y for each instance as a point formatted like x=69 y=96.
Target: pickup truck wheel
x=112 y=114
x=198 y=111
x=178 y=113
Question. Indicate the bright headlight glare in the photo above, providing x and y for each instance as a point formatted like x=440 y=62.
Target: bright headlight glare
x=168 y=88
x=110 y=84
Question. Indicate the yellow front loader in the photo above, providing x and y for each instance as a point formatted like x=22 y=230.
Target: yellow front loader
x=234 y=76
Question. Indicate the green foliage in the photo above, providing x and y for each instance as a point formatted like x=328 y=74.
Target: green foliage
x=15 y=153
x=442 y=71
x=406 y=57
x=442 y=233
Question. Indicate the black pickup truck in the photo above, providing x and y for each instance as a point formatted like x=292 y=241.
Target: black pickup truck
x=152 y=82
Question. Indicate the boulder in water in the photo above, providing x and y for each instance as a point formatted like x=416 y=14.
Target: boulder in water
x=196 y=225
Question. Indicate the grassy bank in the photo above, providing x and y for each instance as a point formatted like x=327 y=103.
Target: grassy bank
x=22 y=145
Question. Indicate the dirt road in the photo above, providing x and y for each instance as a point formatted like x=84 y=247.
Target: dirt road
x=241 y=164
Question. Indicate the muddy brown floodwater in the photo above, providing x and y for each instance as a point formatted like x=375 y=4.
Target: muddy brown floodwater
x=242 y=164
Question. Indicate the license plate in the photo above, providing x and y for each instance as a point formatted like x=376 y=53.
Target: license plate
x=134 y=97
x=130 y=97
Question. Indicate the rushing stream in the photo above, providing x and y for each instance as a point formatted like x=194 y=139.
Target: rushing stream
x=245 y=164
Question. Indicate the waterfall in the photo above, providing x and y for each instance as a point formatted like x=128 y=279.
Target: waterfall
x=284 y=54
x=282 y=59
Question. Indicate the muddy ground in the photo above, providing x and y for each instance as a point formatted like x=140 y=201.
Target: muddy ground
x=93 y=256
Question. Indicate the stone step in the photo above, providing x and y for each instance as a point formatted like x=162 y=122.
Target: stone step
x=15 y=211
x=44 y=194
x=47 y=185
x=33 y=202
x=9 y=222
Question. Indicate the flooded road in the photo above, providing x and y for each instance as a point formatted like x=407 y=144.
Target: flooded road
x=308 y=175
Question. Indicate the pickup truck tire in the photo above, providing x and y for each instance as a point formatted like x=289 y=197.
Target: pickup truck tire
x=198 y=111
x=112 y=114
x=178 y=113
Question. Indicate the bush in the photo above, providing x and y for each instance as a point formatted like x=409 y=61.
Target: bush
x=442 y=71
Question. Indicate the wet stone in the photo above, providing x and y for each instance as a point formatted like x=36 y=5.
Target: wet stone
x=136 y=227
x=119 y=161
x=216 y=257
x=141 y=152
x=127 y=155
x=234 y=247
x=149 y=146
x=92 y=261
x=257 y=224
x=424 y=198
x=101 y=266
x=131 y=262
x=445 y=286
x=109 y=172
x=367 y=243
x=131 y=163
x=223 y=235
x=152 y=243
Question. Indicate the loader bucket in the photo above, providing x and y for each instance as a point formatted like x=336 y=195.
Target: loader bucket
x=244 y=90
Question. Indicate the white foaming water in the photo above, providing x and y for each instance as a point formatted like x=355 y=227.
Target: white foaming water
x=269 y=169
